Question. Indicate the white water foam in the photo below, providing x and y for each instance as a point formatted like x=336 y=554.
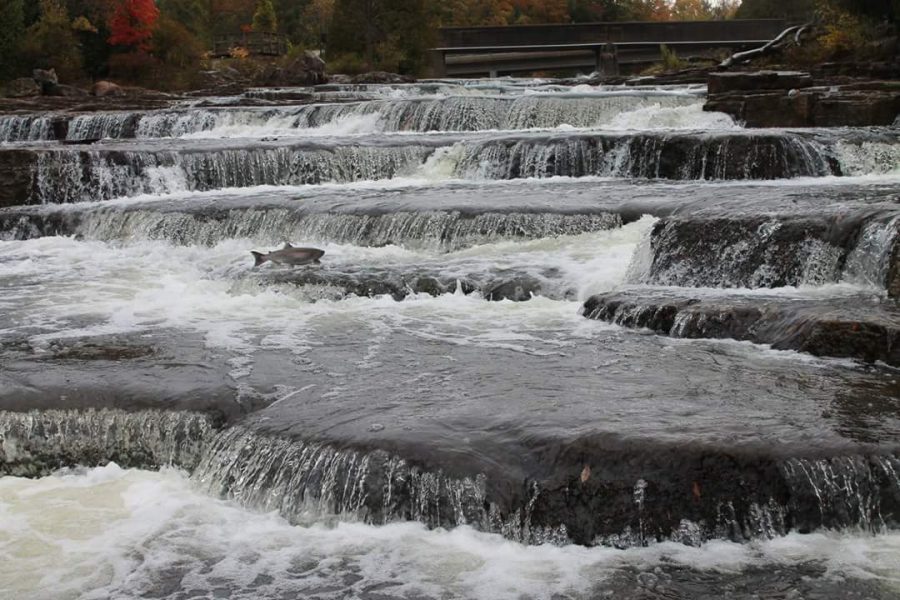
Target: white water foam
x=114 y=533
x=682 y=117
x=68 y=289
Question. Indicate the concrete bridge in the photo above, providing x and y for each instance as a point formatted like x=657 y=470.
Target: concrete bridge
x=602 y=47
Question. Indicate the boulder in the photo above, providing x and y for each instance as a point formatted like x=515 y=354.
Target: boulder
x=45 y=77
x=305 y=70
x=24 y=87
x=102 y=89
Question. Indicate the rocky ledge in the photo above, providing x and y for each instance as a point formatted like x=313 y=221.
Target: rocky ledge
x=860 y=328
x=794 y=99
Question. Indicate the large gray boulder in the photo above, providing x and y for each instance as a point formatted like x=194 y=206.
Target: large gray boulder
x=304 y=70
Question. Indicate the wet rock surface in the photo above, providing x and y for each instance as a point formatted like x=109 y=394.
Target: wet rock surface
x=701 y=250
x=860 y=328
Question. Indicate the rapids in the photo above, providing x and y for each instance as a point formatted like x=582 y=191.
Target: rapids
x=566 y=341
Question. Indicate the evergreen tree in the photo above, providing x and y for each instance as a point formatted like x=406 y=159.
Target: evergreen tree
x=12 y=26
x=264 y=18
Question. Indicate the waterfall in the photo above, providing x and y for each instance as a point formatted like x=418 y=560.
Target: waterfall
x=667 y=156
x=445 y=231
x=73 y=176
x=15 y=128
x=37 y=443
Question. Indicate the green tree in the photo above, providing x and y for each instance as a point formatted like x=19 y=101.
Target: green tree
x=12 y=26
x=391 y=35
x=193 y=15
x=264 y=18
x=51 y=43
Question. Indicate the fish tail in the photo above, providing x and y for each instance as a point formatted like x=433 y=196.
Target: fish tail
x=259 y=258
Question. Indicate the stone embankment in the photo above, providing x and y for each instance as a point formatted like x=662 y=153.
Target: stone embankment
x=824 y=98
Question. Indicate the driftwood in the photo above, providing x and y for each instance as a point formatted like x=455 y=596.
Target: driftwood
x=783 y=39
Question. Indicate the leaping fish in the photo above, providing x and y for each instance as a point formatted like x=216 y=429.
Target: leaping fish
x=289 y=256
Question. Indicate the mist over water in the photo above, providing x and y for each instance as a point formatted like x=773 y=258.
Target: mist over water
x=573 y=342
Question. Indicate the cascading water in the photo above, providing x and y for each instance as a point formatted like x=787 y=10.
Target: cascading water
x=429 y=408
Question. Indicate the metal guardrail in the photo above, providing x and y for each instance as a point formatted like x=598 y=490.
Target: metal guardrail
x=510 y=49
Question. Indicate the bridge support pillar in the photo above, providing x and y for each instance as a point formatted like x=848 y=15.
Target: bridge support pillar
x=606 y=60
x=437 y=63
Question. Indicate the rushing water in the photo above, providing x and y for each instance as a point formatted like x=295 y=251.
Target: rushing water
x=565 y=342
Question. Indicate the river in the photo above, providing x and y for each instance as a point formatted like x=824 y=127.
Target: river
x=564 y=342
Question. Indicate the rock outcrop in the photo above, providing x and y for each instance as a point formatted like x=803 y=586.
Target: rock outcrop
x=792 y=99
x=307 y=69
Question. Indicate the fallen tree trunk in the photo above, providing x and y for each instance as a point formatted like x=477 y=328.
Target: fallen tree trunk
x=773 y=46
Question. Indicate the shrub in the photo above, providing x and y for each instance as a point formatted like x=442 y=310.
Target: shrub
x=135 y=67
x=350 y=64
x=670 y=60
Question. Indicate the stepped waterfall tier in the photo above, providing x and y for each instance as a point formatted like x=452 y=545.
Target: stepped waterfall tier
x=564 y=341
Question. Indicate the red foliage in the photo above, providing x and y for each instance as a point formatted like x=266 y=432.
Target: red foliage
x=132 y=23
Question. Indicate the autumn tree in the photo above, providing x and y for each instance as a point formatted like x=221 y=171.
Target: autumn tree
x=264 y=18
x=132 y=24
x=691 y=10
x=12 y=26
x=475 y=13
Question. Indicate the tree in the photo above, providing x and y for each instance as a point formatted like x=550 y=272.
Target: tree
x=264 y=18
x=540 y=11
x=691 y=10
x=588 y=11
x=132 y=24
x=194 y=15
x=12 y=26
x=50 y=43
x=768 y=9
x=391 y=35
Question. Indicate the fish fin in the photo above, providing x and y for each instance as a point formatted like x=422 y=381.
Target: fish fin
x=287 y=245
x=259 y=258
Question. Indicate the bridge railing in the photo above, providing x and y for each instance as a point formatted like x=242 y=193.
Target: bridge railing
x=491 y=50
x=257 y=43
x=655 y=32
